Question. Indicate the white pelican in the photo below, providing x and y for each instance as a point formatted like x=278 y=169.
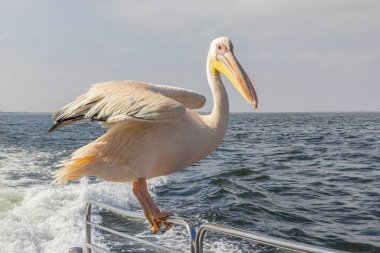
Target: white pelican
x=153 y=129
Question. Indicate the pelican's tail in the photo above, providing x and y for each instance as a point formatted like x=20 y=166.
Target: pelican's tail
x=73 y=169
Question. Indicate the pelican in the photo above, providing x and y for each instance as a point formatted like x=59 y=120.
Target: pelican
x=153 y=130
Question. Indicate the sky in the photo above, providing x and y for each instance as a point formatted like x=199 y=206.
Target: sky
x=302 y=56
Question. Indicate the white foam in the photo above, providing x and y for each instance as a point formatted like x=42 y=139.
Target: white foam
x=37 y=216
x=50 y=217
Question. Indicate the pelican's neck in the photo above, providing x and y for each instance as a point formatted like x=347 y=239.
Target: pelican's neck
x=218 y=119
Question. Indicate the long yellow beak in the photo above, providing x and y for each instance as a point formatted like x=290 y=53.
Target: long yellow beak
x=229 y=66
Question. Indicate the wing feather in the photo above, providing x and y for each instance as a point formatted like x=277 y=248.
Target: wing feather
x=113 y=102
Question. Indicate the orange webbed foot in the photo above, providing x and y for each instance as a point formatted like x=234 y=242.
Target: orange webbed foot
x=158 y=219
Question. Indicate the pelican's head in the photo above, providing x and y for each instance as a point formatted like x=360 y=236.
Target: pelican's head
x=222 y=60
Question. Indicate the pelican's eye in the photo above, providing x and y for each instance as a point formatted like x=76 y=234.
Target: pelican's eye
x=220 y=49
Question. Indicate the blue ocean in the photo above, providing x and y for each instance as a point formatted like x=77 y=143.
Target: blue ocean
x=307 y=177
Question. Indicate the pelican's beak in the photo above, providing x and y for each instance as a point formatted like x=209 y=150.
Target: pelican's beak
x=228 y=65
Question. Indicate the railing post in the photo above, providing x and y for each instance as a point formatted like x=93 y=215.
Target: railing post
x=199 y=239
x=192 y=235
x=76 y=250
x=87 y=219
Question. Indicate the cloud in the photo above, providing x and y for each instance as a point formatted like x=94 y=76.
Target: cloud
x=302 y=55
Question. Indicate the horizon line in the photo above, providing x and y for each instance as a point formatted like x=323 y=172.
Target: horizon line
x=202 y=112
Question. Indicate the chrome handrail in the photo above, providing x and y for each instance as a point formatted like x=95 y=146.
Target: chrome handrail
x=196 y=238
x=263 y=239
x=172 y=219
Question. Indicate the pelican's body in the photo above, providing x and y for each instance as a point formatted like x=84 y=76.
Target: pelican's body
x=153 y=129
x=161 y=145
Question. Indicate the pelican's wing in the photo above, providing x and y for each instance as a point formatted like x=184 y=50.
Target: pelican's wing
x=113 y=102
x=190 y=99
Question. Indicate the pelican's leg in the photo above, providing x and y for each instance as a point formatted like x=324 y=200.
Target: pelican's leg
x=151 y=211
x=135 y=190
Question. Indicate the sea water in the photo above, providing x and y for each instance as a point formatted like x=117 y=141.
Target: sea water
x=309 y=177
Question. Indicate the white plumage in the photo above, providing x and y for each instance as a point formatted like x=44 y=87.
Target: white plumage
x=153 y=129
x=112 y=102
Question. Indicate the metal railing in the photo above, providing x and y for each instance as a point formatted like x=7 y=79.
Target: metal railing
x=262 y=239
x=196 y=238
x=172 y=219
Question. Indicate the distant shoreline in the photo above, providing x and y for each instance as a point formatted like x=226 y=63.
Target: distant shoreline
x=290 y=112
